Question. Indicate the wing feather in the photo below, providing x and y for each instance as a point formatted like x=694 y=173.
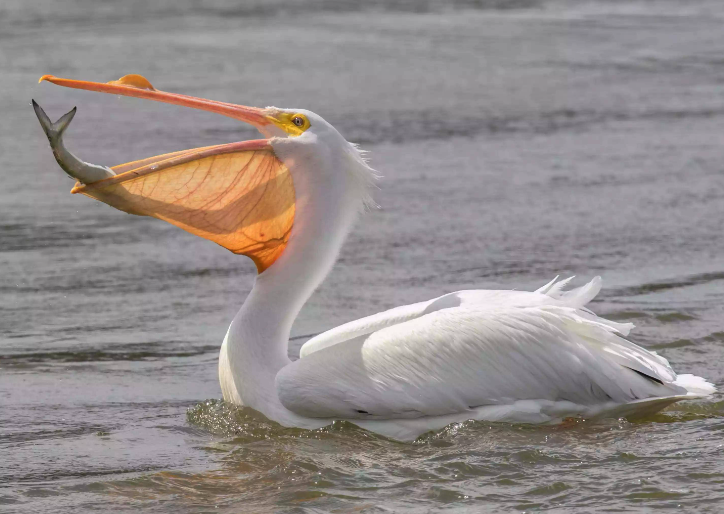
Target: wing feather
x=550 y=294
x=460 y=358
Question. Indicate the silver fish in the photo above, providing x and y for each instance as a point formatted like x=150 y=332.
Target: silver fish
x=82 y=171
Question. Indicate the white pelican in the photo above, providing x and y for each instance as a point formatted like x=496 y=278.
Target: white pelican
x=288 y=202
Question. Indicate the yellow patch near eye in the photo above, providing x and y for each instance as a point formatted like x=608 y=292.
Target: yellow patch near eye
x=294 y=124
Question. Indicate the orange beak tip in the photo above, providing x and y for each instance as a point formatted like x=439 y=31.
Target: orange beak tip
x=46 y=77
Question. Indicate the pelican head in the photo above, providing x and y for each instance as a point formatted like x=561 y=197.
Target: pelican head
x=245 y=196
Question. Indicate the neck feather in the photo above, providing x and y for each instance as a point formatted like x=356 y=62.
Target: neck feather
x=257 y=342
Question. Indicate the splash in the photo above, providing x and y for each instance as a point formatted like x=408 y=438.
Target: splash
x=245 y=424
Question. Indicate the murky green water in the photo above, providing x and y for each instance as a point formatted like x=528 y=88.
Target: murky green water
x=516 y=144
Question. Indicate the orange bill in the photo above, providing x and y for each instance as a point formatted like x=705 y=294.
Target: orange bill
x=239 y=195
x=139 y=87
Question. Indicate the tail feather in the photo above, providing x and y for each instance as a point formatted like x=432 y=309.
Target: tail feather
x=695 y=386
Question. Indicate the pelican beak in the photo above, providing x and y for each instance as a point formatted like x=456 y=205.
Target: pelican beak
x=238 y=195
x=139 y=87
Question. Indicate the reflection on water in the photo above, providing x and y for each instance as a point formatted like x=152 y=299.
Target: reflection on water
x=517 y=141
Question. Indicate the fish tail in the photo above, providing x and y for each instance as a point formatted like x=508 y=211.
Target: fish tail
x=84 y=172
x=54 y=131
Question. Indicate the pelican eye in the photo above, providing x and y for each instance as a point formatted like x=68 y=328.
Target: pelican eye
x=293 y=123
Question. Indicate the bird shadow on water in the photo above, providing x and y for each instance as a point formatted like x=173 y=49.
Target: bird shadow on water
x=258 y=465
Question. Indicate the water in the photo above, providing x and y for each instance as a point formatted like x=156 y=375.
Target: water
x=517 y=141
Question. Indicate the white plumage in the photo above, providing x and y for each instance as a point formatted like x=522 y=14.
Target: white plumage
x=474 y=349
x=487 y=355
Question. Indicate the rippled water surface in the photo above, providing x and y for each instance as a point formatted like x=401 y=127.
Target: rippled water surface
x=518 y=140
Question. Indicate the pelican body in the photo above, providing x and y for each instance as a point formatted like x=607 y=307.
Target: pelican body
x=288 y=201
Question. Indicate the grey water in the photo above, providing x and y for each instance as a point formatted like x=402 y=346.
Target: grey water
x=518 y=140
